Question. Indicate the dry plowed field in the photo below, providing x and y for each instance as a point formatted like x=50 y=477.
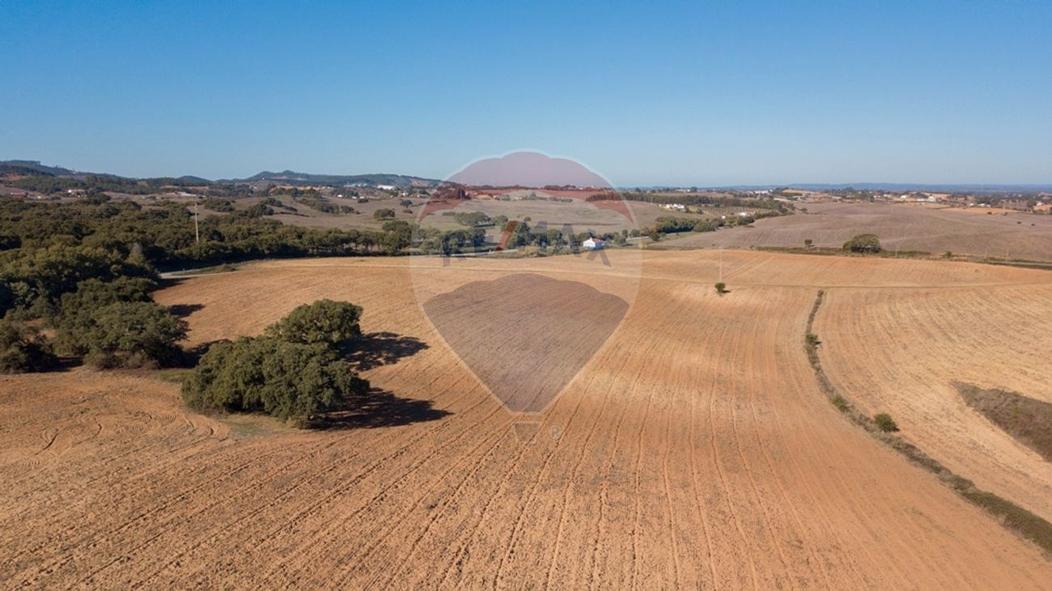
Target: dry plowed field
x=899 y=226
x=901 y=351
x=693 y=450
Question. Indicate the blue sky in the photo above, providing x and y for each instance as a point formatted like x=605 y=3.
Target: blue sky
x=673 y=92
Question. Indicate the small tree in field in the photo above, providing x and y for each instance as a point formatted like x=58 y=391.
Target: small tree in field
x=863 y=243
x=885 y=423
x=721 y=288
x=808 y=243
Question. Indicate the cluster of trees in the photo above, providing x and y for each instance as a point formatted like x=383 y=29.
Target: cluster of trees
x=98 y=306
x=433 y=241
x=864 y=244
x=672 y=225
x=116 y=324
x=697 y=200
x=163 y=234
x=317 y=201
x=521 y=234
x=294 y=371
x=474 y=219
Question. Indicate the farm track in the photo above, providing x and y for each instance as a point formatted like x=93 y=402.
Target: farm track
x=694 y=450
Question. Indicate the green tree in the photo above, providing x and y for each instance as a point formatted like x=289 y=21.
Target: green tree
x=328 y=322
x=263 y=374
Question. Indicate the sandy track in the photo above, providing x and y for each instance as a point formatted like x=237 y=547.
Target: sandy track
x=693 y=450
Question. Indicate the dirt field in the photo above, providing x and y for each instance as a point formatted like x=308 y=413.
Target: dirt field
x=899 y=226
x=694 y=449
x=899 y=351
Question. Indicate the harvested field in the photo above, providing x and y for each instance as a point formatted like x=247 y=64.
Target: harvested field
x=902 y=351
x=899 y=226
x=693 y=450
x=1026 y=419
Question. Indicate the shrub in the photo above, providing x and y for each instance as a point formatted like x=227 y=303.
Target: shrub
x=885 y=423
x=265 y=374
x=327 y=322
x=721 y=288
x=863 y=243
x=22 y=349
x=384 y=214
x=840 y=403
x=812 y=340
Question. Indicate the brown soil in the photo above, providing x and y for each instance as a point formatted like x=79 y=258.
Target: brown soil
x=693 y=450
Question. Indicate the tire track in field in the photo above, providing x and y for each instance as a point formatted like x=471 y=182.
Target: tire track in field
x=316 y=534
x=312 y=451
x=491 y=438
x=320 y=474
x=539 y=476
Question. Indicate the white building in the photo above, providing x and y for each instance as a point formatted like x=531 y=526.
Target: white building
x=593 y=244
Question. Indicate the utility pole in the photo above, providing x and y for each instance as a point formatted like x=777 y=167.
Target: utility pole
x=197 y=231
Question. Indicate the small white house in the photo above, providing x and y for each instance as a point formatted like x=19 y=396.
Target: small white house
x=593 y=244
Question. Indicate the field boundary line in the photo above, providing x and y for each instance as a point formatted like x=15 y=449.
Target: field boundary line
x=1016 y=519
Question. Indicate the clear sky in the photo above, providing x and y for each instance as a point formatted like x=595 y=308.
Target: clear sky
x=661 y=93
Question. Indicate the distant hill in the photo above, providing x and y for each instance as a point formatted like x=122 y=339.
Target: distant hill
x=304 y=178
x=32 y=167
x=35 y=168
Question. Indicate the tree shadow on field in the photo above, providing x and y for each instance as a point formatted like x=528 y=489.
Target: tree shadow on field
x=189 y=357
x=383 y=348
x=377 y=408
x=184 y=310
